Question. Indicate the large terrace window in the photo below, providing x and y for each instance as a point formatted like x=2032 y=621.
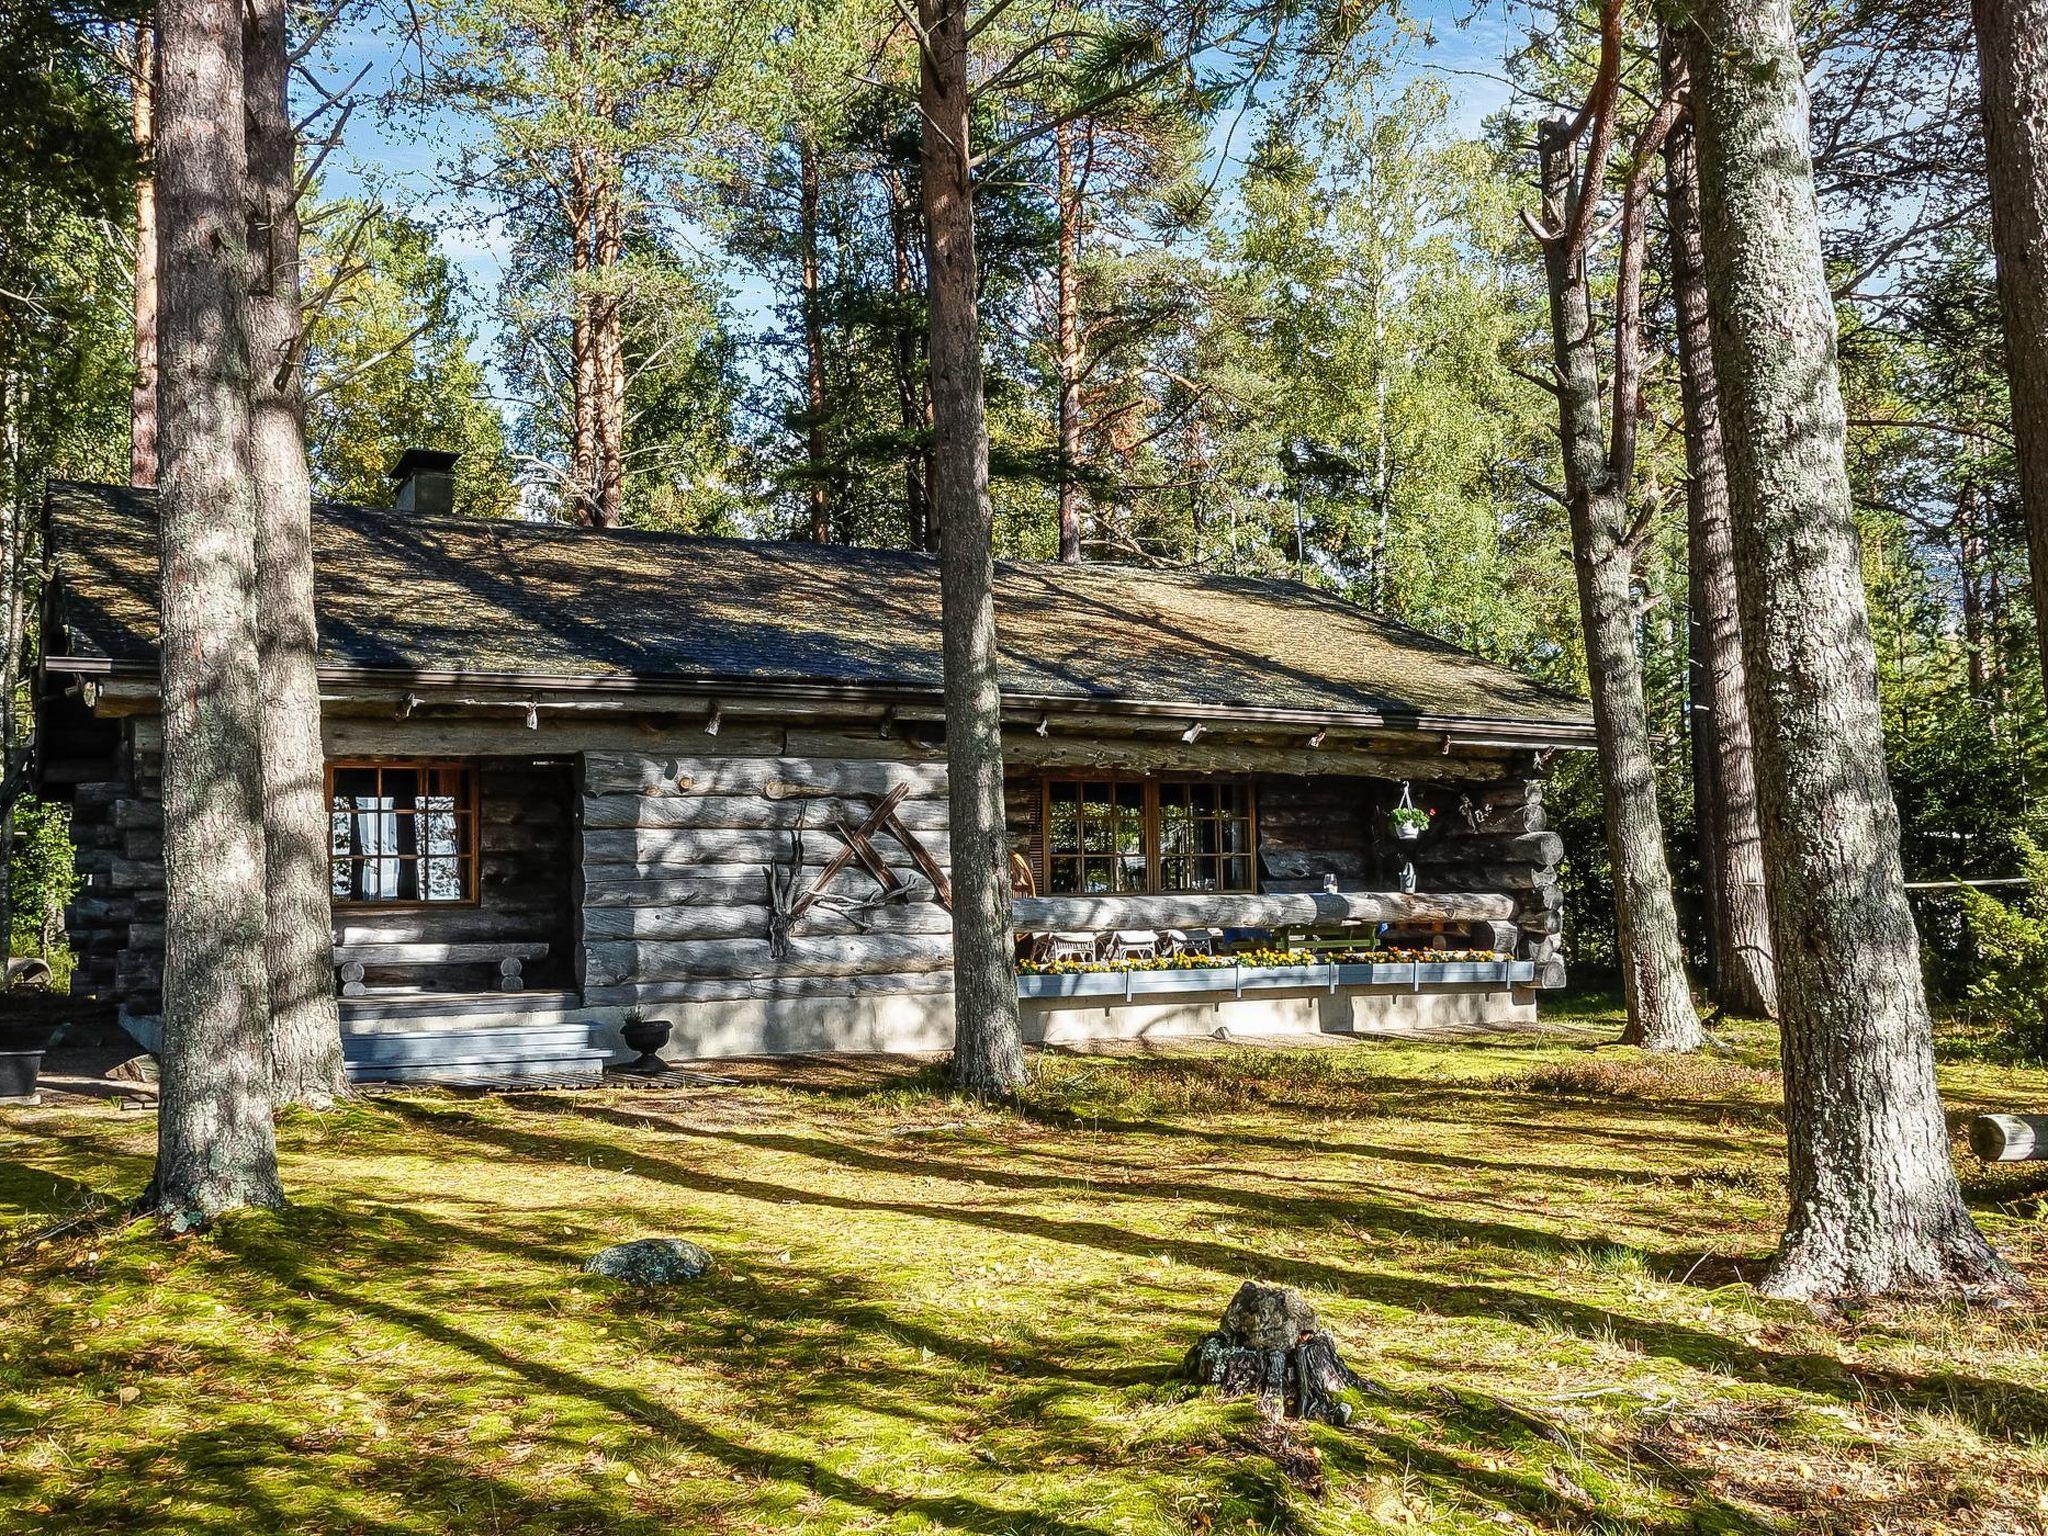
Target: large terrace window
x=1109 y=835
x=402 y=832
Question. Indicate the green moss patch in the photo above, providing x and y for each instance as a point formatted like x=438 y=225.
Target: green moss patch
x=931 y=1316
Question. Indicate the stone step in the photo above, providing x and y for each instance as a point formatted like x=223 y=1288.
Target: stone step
x=585 y=1069
x=528 y=1054
x=379 y=1013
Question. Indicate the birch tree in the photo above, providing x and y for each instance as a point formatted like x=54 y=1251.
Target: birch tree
x=215 y=1148
x=1875 y=1205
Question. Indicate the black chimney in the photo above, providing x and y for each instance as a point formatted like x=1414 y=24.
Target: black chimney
x=426 y=481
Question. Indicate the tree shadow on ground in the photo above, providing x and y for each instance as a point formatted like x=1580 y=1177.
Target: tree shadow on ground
x=1998 y=1409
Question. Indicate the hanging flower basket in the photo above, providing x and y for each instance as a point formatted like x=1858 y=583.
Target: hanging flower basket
x=1408 y=819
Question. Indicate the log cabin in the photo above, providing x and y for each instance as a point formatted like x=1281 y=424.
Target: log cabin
x=576 y=776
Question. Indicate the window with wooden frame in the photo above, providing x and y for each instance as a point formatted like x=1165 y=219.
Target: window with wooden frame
x=1112 y=835
x=402 y=833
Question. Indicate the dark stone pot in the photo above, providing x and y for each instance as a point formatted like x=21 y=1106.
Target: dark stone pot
x=21 y=1063
x=647 y=1036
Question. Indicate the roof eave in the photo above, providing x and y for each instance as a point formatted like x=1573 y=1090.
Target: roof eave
x=1459 y=730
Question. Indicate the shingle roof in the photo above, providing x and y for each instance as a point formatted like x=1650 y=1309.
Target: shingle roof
x=402 y=593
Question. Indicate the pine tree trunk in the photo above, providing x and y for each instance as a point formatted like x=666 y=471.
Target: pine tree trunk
x=1875 y=1205
x=14 y=573
x=1660 y=1010
x=988 y=1048
x=583 y=362
x=215 y=1149
x=1068 y=360
x=305 y=1024
x=142 y=395
x=910 y=393
x=817 y=492
x=912 y=406
x=2012 y=64
x=1972 y=555
x=608 y=346
x=1731 y=844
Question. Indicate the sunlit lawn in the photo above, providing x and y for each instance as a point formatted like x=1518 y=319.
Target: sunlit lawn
x=930 y=1317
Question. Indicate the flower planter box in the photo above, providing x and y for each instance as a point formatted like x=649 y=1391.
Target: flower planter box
x=1274 y=978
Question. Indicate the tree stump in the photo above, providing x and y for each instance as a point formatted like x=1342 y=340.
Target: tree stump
x=1271 y=1345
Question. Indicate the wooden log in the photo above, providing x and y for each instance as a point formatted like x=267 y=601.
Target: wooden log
x=1516 y=878
x=101 y=797
x=542 y=837
x=454 y=925
x=438 y=954
x=139 y=815
x=99 y=911
x=865 y=742
x=77 y=770
x=750 y=921
x=1101 y=914
x=649 y=995
x=1539 y=848
x=607 y=773
x=1464 y=767
x=134 y=874
x=1311 y=863
x=627 y=885
x=1500 y=935
x=747 y=812
x=102 y=836
x=2010 y=1138
x=613 y=963
x=560 y=734
x=1512 y=816
x=685 y=846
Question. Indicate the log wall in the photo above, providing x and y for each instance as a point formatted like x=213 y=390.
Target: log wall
x=1493 y=838
x=643 y=852
x=694 y=844
x=113 y=776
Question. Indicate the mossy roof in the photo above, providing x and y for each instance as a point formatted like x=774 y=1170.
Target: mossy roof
x=401 y=593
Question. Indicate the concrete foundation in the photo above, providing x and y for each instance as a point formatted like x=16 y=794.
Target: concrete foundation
x=924 y=1022
x=1348 y=1011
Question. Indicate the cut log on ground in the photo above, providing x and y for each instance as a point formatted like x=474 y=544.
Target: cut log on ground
x=1272 y=1346
x=2010 y=1138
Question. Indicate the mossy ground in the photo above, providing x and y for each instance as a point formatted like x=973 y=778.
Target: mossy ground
x=929 y=1316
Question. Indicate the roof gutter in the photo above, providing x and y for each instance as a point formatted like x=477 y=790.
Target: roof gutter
x=1458 y=730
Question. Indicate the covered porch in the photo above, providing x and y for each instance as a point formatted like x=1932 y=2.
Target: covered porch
x=1193 y=899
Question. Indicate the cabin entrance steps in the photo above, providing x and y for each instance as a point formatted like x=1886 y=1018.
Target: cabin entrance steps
x=489 y=1039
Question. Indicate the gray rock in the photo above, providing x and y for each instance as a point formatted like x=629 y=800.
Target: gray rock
x=650 y=1261
x=1268 y=1317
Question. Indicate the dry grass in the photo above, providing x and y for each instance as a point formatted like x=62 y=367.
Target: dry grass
x=929 y=1316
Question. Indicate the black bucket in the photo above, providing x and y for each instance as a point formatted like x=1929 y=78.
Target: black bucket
x=21 y=1059
x=18 y=1073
